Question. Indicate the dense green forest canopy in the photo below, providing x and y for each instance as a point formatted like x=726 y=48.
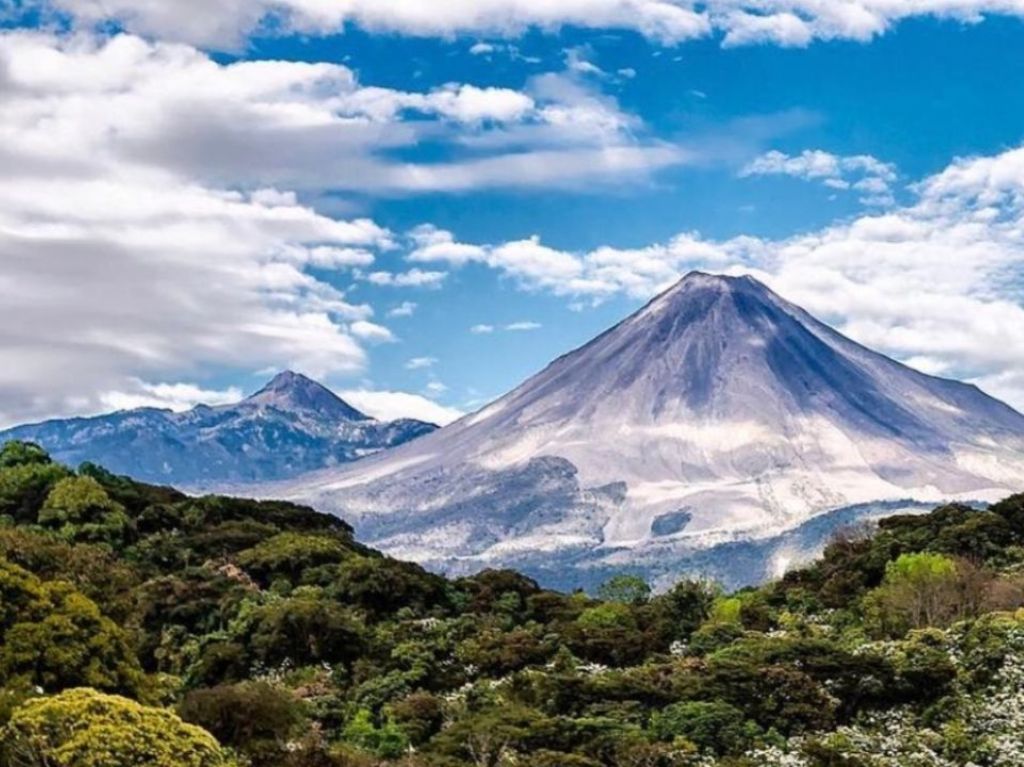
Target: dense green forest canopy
x=140 y=626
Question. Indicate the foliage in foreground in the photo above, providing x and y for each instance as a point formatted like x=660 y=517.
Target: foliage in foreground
x=139 y=626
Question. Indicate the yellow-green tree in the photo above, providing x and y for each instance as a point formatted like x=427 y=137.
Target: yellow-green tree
x=54 y=636
x=85 y=728
x=80 y=509
x=919 y=590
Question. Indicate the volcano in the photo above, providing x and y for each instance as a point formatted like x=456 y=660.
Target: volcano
x=718 y=413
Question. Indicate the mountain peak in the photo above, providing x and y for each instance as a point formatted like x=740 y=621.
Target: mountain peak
x=294 y=392
x=724 y=283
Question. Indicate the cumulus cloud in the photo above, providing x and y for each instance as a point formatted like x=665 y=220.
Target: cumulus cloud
x=865 y=174
x=226 y=23
x=137 y=273
x=389 y=405
x=414 y=278
x=481 y=329
x=311 y=127
x=404 y=309
x=420 y=363
x=371 y=331
x=935 y=283
x=436 y=245
x=169 y=396
x=120 y=267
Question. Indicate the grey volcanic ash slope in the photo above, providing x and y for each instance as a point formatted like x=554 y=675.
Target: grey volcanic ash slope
x=718 y=412
x=290 y=426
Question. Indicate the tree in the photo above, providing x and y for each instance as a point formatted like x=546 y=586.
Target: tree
x=305 y=630
x=54 y=636
x=84 y=728
x=919 y=590
x=289 y=554
x=625 y=589
x=713 y=725
x=387 y=741
x=15 y=453
x=689 y=603
x=420 y=715
x=608 y=633
x=80 y=509
x=382 y=586
x=254 y=717
x=24 y=487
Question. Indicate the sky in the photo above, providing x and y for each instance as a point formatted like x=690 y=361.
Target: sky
x=421 y=205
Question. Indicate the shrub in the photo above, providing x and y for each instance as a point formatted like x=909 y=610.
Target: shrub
x=84 y=728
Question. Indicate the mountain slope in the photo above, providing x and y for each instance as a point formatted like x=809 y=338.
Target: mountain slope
x=290 y=426
x=718 y=412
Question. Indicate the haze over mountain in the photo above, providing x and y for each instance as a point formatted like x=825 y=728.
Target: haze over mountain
x=290 y=426
x=717 y=413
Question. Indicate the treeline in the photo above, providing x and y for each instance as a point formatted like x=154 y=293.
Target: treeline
x=140 y=626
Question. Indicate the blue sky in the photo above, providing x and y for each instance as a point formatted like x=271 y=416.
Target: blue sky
x=424 y=211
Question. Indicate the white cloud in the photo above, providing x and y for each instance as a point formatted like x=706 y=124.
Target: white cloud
x=935 y=283
x=226 y=23
x=528 y=261
x=390 y=405
x=371 y=331
x=420 y=363
x=518 y=327
x=863 y=173
x=435 y=388
x=512 y=327
x=124 y=264
x=404 y=309
x=414 y=278
x=436 y=245
x=576 y=60
x=171 y=396
x=281 y=126
x=139 y=274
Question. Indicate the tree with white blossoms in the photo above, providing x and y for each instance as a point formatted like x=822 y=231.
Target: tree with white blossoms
x=987 y=730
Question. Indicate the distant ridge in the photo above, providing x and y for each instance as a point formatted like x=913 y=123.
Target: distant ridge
x=290 y=426
x=719 y=412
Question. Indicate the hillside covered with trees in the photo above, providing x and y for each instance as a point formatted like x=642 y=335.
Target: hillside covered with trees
x=140 y=626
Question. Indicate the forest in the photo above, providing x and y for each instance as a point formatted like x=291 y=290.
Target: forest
x=142 y=626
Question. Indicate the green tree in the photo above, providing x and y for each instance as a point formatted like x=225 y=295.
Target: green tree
x=15 y=453
x=420 y=715
x=919 y=590
x=253 y=717
x=84 y=728
x=56 y=637
x=689 y=604
x=625 y=589
x=289 y=554
x=711 y=725
x=305 y=630
x=24 y=484
x=388 y=740
x=80 y=509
